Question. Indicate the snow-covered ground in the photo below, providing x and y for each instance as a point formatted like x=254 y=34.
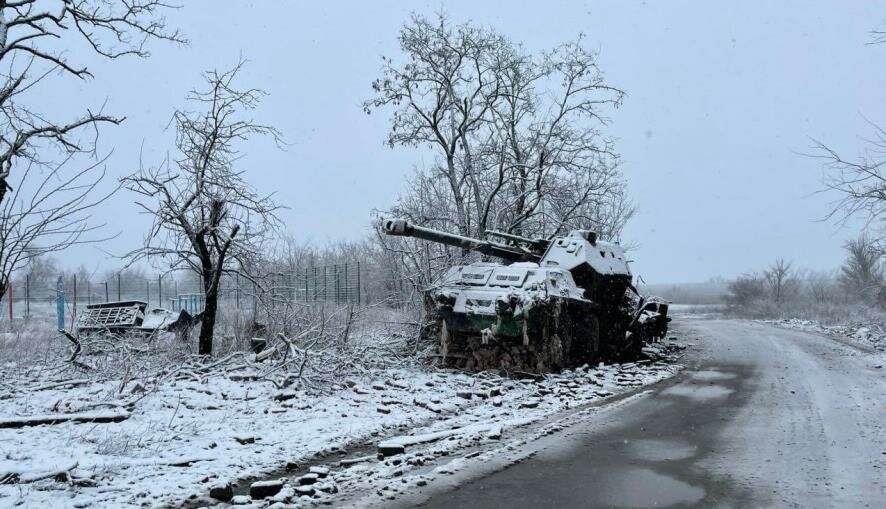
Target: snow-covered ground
x=872 y=335
x=198 y=427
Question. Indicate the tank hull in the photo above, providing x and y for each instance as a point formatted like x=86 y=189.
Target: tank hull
x=537 y=321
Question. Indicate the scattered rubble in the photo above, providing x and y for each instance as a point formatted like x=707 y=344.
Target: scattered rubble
x=223 y=492
x=310 y=478
x=265 y=489
x=321 y=472
x=241 y=500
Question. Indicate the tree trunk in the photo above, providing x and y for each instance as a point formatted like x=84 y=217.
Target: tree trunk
x=207 y=321
x=3 y=188
x=457 y=196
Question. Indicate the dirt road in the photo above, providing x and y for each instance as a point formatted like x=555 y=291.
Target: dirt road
x=761 y=417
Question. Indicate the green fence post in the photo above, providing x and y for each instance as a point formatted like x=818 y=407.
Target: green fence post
x=359 y=289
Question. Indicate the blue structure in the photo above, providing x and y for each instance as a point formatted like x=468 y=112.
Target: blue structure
x=190 y=302
x=60 y=302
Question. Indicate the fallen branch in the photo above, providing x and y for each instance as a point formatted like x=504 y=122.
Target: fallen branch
x=39 y=476
x=38 y=420
x=180 y=461
x=64 y=383
x=76 y=348
x=264 y=354
x=397 y=445
x=29 y=477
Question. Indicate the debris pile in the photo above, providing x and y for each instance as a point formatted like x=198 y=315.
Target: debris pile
x=131 y=317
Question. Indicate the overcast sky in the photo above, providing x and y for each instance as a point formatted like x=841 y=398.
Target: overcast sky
x=723 y=97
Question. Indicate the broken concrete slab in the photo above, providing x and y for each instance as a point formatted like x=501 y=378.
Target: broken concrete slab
x=309 y=478
x=305 y=491
x=386 y=449
x=223 y=492
x=320 y=471
x=264 y=489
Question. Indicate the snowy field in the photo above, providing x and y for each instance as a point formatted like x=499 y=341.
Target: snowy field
x=149 y=429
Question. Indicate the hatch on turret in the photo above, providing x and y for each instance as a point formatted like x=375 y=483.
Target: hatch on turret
x=601 y=268
x=572 y=251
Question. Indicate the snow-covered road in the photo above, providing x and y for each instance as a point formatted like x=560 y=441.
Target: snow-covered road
x=761 y=417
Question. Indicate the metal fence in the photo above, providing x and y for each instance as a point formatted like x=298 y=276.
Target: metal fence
x=340 y=283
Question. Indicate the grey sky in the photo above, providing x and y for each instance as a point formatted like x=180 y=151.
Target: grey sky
x=722 y=97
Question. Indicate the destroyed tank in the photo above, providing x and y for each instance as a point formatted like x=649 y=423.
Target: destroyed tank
x=549 y=305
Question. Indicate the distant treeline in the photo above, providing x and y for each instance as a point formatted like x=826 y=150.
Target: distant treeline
x=709 y=292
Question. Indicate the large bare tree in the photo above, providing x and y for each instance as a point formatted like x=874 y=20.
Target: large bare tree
x=45 y=193
x=555 y=168
x=518 y=138
x=860 y=181
x=442 y=94
x=35 y=42
x=207 y=217
x=48 y=214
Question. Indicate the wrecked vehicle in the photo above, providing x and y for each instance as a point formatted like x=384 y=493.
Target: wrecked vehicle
x=132 y=317
x=553 y=304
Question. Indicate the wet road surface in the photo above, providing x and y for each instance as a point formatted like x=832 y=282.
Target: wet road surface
x=761 y=417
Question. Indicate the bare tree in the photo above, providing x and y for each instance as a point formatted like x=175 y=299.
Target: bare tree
x=442 y=94
x=41 y=270
x=518 y=139
x=33 y=38
x=859 y=181
x=780 y=279
x=518 y=135
x=745 y=290
x=207 y=218
x=44 y=200
x=555 y=168
x=47 y=213
x=822 y=286
x=862 y=274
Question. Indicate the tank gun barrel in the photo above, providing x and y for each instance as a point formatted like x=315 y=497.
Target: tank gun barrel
x=539 y=245
x=402 y=228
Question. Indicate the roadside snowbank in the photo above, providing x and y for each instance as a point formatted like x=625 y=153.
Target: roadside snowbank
x=869 y=334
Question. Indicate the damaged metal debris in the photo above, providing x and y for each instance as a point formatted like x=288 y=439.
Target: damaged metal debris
x=552 y=304
x=132 y=317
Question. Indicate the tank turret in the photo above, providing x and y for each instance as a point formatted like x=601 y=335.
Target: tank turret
x=601 y=268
